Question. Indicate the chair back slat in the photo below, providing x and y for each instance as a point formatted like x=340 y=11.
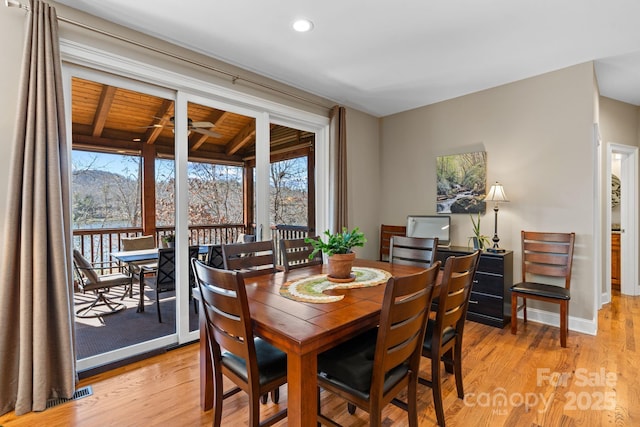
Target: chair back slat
x=418 y=251
x=295 y=254
x=552 y=259
x=251 y=258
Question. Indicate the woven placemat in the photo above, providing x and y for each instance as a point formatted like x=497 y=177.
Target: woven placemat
x=310 y=289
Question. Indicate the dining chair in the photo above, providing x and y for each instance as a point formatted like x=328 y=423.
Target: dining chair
x=252 y=364
x=372 y=369
x=443 y=337
x=386 y=232
x=90 y=280
x=295 y=254
x=250 y=259
x=163 y=277
x=546 y=256
x=418 y=251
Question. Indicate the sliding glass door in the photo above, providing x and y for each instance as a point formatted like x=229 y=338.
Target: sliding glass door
x=200 y=171
x=122 y=184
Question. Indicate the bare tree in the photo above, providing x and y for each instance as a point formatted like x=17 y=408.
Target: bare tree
x=289 y=191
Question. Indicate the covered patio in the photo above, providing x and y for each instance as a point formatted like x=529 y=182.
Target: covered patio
x=107 y=119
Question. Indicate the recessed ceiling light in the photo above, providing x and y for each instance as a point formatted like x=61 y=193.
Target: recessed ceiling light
x=136 y=140
x=302 y=25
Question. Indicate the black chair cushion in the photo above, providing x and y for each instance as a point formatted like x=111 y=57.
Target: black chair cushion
x=541 y=289
x=272 y=363
x=447 y=335
x=350 y=365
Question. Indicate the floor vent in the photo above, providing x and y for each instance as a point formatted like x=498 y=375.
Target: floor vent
x=79 y=394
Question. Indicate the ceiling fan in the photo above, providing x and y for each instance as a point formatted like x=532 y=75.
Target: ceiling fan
x=199 y=127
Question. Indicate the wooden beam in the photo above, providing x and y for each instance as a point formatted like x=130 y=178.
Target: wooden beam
x=162 y=118
x=102 y=110
x=244 y=137
x=104 y=144
x=203 y=138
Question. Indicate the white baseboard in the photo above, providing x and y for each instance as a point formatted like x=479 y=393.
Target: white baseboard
x=553 y=319
x=605 y=298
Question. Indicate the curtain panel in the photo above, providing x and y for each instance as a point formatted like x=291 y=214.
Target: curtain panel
x=37 y=357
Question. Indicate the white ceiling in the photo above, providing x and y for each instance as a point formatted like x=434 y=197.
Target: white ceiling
x=385 y=57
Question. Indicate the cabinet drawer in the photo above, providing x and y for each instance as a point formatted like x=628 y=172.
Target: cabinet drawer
x=490 y=264
x=485 y=304
x=492 y=284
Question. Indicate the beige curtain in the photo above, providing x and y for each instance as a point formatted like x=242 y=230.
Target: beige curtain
x=37 y=360
x=338 y=125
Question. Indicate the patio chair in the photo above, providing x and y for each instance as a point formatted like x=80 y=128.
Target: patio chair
x=89 y=280
x=136 y=244
x=163 y=278
x=214 y=256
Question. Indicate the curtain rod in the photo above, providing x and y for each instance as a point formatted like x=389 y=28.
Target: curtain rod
x=234 y=77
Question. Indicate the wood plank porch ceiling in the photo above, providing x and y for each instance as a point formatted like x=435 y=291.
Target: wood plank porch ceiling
x=112 y=119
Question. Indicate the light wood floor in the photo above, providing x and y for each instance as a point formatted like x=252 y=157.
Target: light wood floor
x=523 y=380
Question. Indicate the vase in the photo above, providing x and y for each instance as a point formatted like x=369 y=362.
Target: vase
x=477 y=243
x=340 y=267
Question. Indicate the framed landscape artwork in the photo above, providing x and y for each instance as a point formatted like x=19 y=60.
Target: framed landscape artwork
x=461 y=181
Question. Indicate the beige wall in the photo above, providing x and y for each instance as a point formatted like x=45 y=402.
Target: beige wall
x=618 y=122
x=363 y=157
x=539 y=142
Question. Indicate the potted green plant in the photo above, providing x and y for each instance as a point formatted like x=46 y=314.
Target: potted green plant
x=169 y=240
x=338 y=247
x=480 y=241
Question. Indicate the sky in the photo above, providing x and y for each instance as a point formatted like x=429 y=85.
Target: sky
x=116 y=163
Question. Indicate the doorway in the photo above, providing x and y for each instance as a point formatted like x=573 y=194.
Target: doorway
x=621 y=216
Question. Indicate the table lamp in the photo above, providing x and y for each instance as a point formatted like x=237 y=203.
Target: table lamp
x=496 y=195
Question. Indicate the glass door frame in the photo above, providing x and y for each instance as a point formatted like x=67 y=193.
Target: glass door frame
x=69 y=72
x=84 y=60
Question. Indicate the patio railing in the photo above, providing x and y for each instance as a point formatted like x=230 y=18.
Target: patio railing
x=96 y=244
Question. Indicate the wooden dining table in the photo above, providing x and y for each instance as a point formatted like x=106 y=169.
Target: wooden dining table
x=302 y=330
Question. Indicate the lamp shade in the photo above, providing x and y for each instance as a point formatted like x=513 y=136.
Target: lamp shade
x=496 y=194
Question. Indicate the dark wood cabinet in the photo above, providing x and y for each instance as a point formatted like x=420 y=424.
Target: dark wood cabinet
x=490 y=301
x=615 y=261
